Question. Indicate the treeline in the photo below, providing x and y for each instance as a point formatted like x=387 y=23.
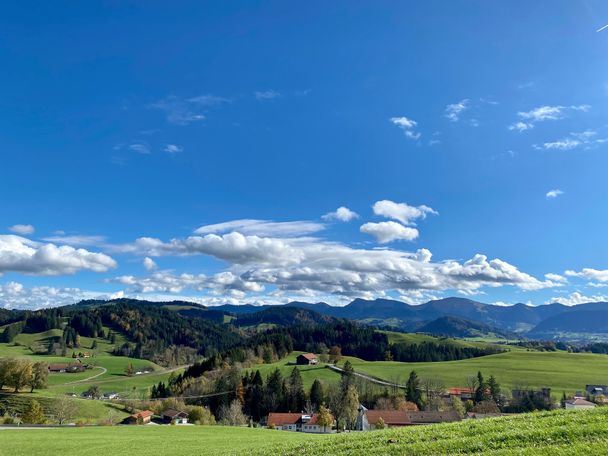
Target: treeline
x=429 y=351
x=253 y=396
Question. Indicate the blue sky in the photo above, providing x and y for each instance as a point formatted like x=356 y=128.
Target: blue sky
x=475 y=131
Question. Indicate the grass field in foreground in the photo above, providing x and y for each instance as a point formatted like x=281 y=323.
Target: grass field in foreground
x=548 y=433
x=145 y=440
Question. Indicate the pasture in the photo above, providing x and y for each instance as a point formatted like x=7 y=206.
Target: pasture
x=548 y=433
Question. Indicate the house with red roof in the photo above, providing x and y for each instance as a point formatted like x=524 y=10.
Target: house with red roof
x=296 y=422
x=143 y=417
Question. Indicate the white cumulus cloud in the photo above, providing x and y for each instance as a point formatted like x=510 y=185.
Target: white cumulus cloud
x=18 y=254
x=343 y=214
x=149 y=264
x=390 y=231
x=402 y=212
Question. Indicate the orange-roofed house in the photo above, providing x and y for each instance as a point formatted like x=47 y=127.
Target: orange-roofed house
x=296 y=422
x=143 y=417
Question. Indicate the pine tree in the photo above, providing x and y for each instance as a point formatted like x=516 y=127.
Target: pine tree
x=482 y=386
x=350 y=407
x=413 y=392
x=494 y=388
x=348 y=373
x=316 y=394
x=295 y=391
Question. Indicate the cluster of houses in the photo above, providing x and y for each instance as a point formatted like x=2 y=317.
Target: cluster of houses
x=370 y=419
x=583 y=400
x=366 y=420
x=169 y=416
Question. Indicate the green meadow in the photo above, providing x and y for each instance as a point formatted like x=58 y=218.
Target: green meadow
x=548 y=433
x=108 y=374
x=140 y=440
x=560 y=371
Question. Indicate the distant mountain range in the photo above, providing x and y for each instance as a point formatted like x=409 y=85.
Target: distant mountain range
x=453 y=317
x=544 y=321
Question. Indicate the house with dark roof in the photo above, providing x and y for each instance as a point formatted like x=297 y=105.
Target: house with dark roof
x=307 y=359
x=369 y=419
x=175 y=417
x=296 y=422
x=596 y=390
x=70 y=368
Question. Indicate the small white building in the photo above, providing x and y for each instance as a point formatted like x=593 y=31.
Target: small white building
x=579 y=404
x=175 y=417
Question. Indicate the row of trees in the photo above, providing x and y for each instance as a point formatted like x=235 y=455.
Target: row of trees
x=19 y=373
x=429 y=351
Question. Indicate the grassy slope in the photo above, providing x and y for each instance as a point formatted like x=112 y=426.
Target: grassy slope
x=113 y=380
x=309 y=373
x=560 y=371
x=144 y=440
x=417 y=338
x=550 y=433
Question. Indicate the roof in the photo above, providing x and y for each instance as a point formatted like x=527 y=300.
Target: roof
x=143 y=414
x=281 y=419
x=390 y=417
x=171 y=413
x=309 y=356
x=433 y=417
x=579 y=402
x=459 y=391
x=58 y=366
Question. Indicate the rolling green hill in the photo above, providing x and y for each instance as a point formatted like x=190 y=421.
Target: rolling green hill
x=560 y=371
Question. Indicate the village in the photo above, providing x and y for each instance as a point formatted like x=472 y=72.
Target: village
x=322 y=422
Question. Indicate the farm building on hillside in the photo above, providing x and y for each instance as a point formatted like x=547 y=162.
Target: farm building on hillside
x=175 y=417
x=368 y=419
x=463 y=393
x=70 y=368
x=143 y=417
x=110 y=396
x=579 y=404
x=296 y=422
x=306 y=359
